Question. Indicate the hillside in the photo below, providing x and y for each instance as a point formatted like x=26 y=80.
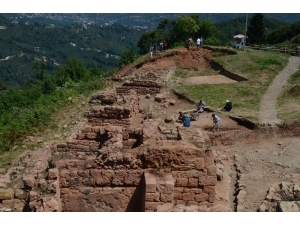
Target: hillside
x=22 y=45
x=143 y=20
x=125 y=149
x=237 y=26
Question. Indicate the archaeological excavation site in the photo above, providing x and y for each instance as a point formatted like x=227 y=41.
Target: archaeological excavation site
x=128 y=151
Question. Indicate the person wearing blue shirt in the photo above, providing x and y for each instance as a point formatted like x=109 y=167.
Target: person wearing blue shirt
x=186 y=121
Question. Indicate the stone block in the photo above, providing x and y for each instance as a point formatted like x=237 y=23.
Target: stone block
x=8 y=203
x=181 y=182
x=53 y=174
x=53 y=186
x=211 y=197
x=169 y=182
x=95 y=173
x=211 y=170
x=50 y=204
x=152 y=197
x=152 y=206
x=201 y=197
x=209 y=189
x=188 y=196
x=193 y=182
x=117 y=181
x=207 y=180
x=192 y=203
x=166 y=197
x=178 y=196
x=200 y=164
x=29 y=180
x=130 y=179
x=20 y=194
x=6 y=193
x=150 y=183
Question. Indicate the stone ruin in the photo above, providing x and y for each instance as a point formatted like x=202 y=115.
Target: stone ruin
x=118 y=161
x=282 y=197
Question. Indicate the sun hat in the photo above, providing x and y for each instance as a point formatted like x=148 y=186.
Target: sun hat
x=227 y=100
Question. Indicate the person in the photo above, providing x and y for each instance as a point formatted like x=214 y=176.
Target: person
x=161 y=46
x=198 y=43
x=151 y=52
x=186 y=121
x=154 y=49
x=201 y=106
x=228 y=106
x=284 y=48
x=165 y=44
x=216 y=122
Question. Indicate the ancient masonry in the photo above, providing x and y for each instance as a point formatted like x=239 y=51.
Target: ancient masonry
x=119 y=161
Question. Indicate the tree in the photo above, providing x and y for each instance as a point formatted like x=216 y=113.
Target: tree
x=207 y=29
x=184 y=28
x=256 y=29
x=147 y=39
x=127 y=57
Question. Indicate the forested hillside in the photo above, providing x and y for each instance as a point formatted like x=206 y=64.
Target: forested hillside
x=22 y=45
x=237 y=26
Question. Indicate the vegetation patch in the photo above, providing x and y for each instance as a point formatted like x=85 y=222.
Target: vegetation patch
x=259 y=67
x=289 y=100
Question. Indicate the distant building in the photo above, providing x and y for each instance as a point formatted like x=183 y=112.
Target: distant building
x=72 y=44
x=2 y=28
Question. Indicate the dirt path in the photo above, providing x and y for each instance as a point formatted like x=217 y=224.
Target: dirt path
x=268 y=111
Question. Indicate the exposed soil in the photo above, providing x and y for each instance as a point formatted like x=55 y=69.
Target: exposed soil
x=263 y=158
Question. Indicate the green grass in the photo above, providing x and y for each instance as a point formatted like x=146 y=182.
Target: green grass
x=289 y=100
x=259 y=67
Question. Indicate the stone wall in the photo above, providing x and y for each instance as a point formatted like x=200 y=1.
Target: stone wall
x=142 y=87
x=125 y=108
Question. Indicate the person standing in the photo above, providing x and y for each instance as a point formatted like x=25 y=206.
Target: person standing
x=151 y=51
x=161 y=46
x=216 y=122
x=165 y=45
x=198 y=43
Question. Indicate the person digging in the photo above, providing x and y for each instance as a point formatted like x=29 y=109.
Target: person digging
x=216 y=122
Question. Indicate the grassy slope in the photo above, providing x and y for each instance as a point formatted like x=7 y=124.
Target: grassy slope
x=289 y=100
x=260 y=67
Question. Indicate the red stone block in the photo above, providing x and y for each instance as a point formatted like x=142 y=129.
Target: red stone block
x=211 y=197
x=201 y=197
x=102 y=181
x=192 y=203
x=212 y=170
x=152 y=197
x=193 y=182
x=151 y=206
x=178 y=196
x=166 y=197
x=95 y=173
x=207 y=180
x=209 y=189
x=181 y=182
x=53 y=174
x=188 y=196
